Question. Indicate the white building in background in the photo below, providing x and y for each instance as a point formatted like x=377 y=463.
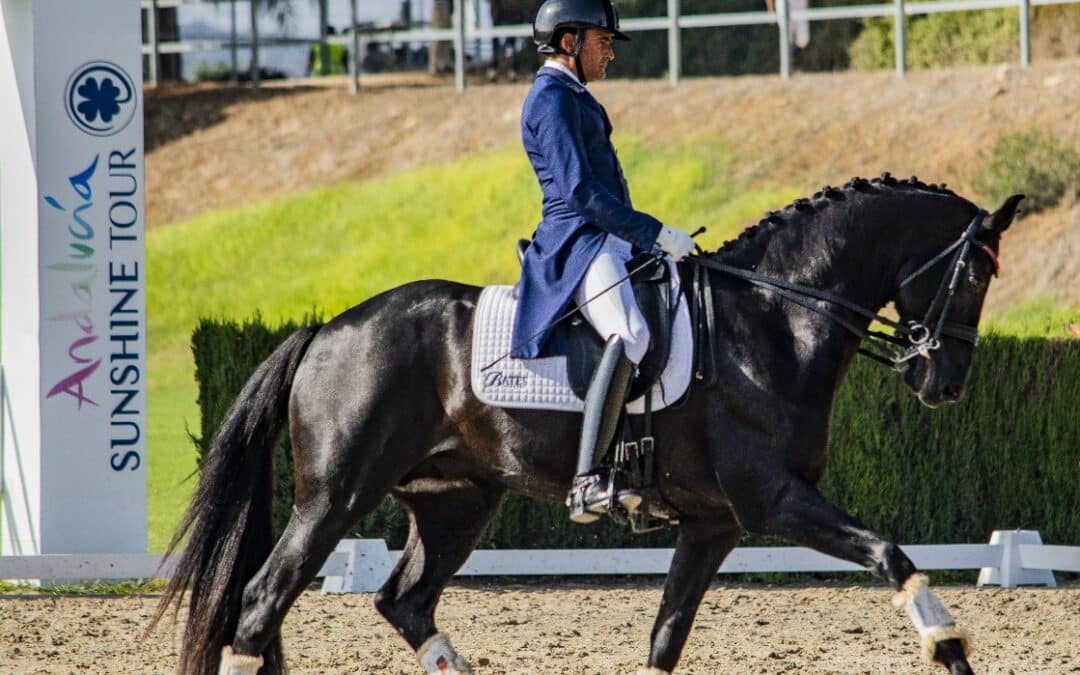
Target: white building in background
x=210 y=21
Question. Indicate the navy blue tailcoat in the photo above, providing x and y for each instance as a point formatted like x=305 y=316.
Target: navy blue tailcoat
x=567 y=136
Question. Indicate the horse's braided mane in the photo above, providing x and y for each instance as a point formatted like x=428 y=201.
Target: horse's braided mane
x=826 y=196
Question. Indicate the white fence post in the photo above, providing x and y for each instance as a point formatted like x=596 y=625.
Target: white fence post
x=1010 y=572
x=254 y=44
x=783 y=19
x=354 y=62
x=152 y=38
x=1025 y=33
x=674 y=43
x=233 y=58
x=357 y=566
x=900 y=39
x=459 y=45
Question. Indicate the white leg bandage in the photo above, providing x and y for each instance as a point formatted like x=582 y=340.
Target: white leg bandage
x=238 y=664
x=438 y=657
x=930 y=616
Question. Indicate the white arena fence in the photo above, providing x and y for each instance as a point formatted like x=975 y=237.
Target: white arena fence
x=1012 y=558
x=674 y=22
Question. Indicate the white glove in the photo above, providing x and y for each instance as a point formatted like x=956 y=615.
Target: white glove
x=675 y=243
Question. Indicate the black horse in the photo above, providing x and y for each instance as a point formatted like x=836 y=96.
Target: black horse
x=379 y=401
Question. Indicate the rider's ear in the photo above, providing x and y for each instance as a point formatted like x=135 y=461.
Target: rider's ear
x=566 y=41
x=1000 y=220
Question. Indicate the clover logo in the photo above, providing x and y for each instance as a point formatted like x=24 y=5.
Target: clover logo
x=100 y=98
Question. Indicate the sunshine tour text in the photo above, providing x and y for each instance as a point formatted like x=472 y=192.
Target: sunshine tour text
x=87 y=352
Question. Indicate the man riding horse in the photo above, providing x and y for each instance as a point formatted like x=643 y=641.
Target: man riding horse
x=589 y=229
x=380 y=400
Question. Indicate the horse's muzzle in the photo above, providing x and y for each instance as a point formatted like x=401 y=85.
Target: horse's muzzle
x=925 y=381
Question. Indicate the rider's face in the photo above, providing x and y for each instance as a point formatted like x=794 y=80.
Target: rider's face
x=596 y=53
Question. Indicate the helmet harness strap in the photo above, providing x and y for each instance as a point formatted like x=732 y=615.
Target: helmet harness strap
x=575 y=53
x=579 y=42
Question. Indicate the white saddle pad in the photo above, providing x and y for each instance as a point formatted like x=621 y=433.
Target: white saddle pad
x=542 y=384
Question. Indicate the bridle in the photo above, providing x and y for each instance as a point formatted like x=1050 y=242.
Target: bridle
x=909 y=338
x=922 y=340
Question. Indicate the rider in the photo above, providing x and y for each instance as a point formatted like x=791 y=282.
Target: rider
x=589 y=229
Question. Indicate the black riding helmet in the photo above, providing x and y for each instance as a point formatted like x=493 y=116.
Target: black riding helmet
x=555 y=17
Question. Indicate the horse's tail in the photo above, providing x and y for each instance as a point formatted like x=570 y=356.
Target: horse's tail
x=229 y=519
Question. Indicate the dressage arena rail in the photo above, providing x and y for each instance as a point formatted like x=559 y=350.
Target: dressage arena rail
x=673 y=23
x=1012 y=558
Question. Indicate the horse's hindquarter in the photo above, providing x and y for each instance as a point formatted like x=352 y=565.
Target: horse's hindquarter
x=529 y=451
x=388 y=382
x=371 y=392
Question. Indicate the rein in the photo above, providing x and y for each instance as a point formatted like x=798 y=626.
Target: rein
x=891 y=350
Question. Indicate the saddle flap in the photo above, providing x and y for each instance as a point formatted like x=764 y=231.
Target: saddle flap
x=543 y=384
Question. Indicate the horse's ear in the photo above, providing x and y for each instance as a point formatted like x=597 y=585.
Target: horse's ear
x=1000 y=220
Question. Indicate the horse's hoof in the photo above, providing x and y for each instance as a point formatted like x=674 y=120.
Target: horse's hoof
x=950 y=653
x=652 y=670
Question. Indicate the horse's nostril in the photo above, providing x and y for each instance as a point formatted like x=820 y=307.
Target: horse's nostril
x=952 y=391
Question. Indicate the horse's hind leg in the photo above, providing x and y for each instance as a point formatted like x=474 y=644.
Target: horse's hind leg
x=445 y=524
x=312 y=532
x=336 y=486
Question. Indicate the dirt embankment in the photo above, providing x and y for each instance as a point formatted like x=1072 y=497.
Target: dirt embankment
x=210 y=147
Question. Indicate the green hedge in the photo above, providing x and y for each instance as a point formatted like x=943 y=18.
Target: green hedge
x=1033 y=162
x=960 y=38
x=1008 y=456
x=936 y=40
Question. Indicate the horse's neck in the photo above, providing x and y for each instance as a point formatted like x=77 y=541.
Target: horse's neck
x=854 y=251
x=857 y=258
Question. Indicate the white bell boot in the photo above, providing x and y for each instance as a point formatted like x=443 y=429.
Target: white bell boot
x=930 y=616
x=238 y=664
x=438 y=657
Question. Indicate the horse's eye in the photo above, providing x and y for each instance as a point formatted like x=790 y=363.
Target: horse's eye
x=973 y=280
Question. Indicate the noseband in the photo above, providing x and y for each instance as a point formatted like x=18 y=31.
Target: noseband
x=923 y=341
x=910 y=338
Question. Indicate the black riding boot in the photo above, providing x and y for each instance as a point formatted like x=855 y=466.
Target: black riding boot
x=589 y=493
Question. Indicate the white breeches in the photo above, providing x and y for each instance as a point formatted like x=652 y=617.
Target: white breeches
x=615 y=312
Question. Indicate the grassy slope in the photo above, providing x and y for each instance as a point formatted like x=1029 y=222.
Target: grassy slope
x=333 y=247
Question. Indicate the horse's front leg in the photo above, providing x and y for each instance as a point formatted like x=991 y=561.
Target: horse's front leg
x=701 y=547
x=789 y=507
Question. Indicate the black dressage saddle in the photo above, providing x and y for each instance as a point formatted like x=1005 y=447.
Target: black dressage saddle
x=652 y=289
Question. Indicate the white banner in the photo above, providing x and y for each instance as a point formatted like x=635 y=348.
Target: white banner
x=84 y=122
